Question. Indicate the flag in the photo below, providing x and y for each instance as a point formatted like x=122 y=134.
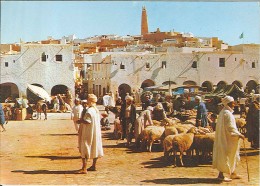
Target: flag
x=241 y=35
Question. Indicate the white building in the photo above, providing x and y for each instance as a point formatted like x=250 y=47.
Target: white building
x=205 y=67
x=46 y=65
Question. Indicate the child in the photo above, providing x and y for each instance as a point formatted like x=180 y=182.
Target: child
x=104 y=122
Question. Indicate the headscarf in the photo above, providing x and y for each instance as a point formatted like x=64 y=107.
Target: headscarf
x=226 y=100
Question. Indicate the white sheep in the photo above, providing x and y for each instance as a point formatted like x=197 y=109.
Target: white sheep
x=182 y=143
x=167 y=146
x=149 y=135
x=241 y=124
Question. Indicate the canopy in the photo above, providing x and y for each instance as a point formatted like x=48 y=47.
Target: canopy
x=39 y=92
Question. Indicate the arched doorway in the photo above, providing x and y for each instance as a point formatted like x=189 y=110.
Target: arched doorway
x=59 y=89
x=207 y=86
x=252 y=85
x=189 y=83
x=147 y=83
x=238 y=83
x=123 y=89
x=221 y=84
x=8 y=90
x=32 y=98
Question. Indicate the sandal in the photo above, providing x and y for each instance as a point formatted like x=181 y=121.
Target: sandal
x=81 y=171
x=91 y=168
x=224 y=179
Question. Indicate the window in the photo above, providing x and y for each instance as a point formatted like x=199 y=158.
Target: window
x=44 y=57
x=253 y=64
x=6 y=64
x=14 y=61
x=235 y=59
x=163 y=64
x=58 y=57
x=122 y=66
x=208 y=58
x=194 y=64
x=147 y=65
x=221 y=62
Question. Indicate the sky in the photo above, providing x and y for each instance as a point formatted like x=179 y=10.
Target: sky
x=36 y=20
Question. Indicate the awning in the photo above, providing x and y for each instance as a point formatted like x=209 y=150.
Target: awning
x=39 y=92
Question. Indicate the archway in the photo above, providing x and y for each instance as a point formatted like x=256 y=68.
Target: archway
x=252 y=85
x=59 y=89
x=189 y=83
x=221 y=84
x=32 y=98
x=238 y=83
x=207 y=86
x=147 y=83
x=8 y=89
x=123 y=89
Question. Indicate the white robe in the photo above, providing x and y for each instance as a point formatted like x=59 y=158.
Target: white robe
x=89 y=138
x=226 y=144
x=141 y=122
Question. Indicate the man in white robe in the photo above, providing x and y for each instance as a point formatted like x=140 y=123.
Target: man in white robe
x=226 y=144
x=89 y=137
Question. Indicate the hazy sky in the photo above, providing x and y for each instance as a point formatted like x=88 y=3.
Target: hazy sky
x=35 y=20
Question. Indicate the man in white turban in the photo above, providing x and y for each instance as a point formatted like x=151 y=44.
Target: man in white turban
x=226 y=144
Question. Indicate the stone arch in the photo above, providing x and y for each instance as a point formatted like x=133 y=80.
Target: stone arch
x=207 y=86
x=222 y=84
x=169 y=82
x=8 y=89
x=59 y=89
x=147 y=83
x=123 y=89
x=238 y=83
x=189 y=82
x=252 y=85
x=32 y=98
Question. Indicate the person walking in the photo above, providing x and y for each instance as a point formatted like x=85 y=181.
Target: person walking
x=253 y=123
x=226 y=144
x=2 y=118
x=89 y=137
x=127 y=118
x=202 y=115
x=76 y=112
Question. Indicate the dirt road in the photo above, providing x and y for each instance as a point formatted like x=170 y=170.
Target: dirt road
x=45 y=153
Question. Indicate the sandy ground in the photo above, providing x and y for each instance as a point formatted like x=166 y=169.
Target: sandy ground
x=37 y=152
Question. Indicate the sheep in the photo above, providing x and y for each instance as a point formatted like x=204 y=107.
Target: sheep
x=167 y=146
x=170 y=130
x=181 y=129
x=156 y=123
x=149 y=135
x=182 y=143
x=203 y=143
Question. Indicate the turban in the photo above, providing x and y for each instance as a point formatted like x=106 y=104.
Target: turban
x=198 y=98
x=84 y=101
x=92 y=98
x=226 y=100
x=129 y=98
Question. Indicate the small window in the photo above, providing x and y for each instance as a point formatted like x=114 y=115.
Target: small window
x=122 y=66
x=58 y=57
x=253 y=64
x=44 y=57
x=163 y=64
x=13 y=61
x=147 y=65
x=221 y=62
x=208 y=58
x=6 y=64
x=235 y=59
x=194 y=64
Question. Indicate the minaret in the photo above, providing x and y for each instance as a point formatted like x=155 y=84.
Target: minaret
x=144 y=23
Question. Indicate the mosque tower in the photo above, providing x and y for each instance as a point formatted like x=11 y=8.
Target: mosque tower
x=144 y=23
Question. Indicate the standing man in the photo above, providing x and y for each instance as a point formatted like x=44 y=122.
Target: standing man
x=76 y=113
x=128 y=117
x=201 y=118
x=226 y=144
x=89 y=137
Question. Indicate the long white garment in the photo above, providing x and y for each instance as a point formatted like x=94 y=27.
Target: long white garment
x=89 y=137
x=76 y=114
x=226 y=144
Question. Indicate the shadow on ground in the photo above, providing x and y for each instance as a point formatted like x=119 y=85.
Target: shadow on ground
x=46 y=172
x=59 y=134
x=175 y=181
x=56 y=157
